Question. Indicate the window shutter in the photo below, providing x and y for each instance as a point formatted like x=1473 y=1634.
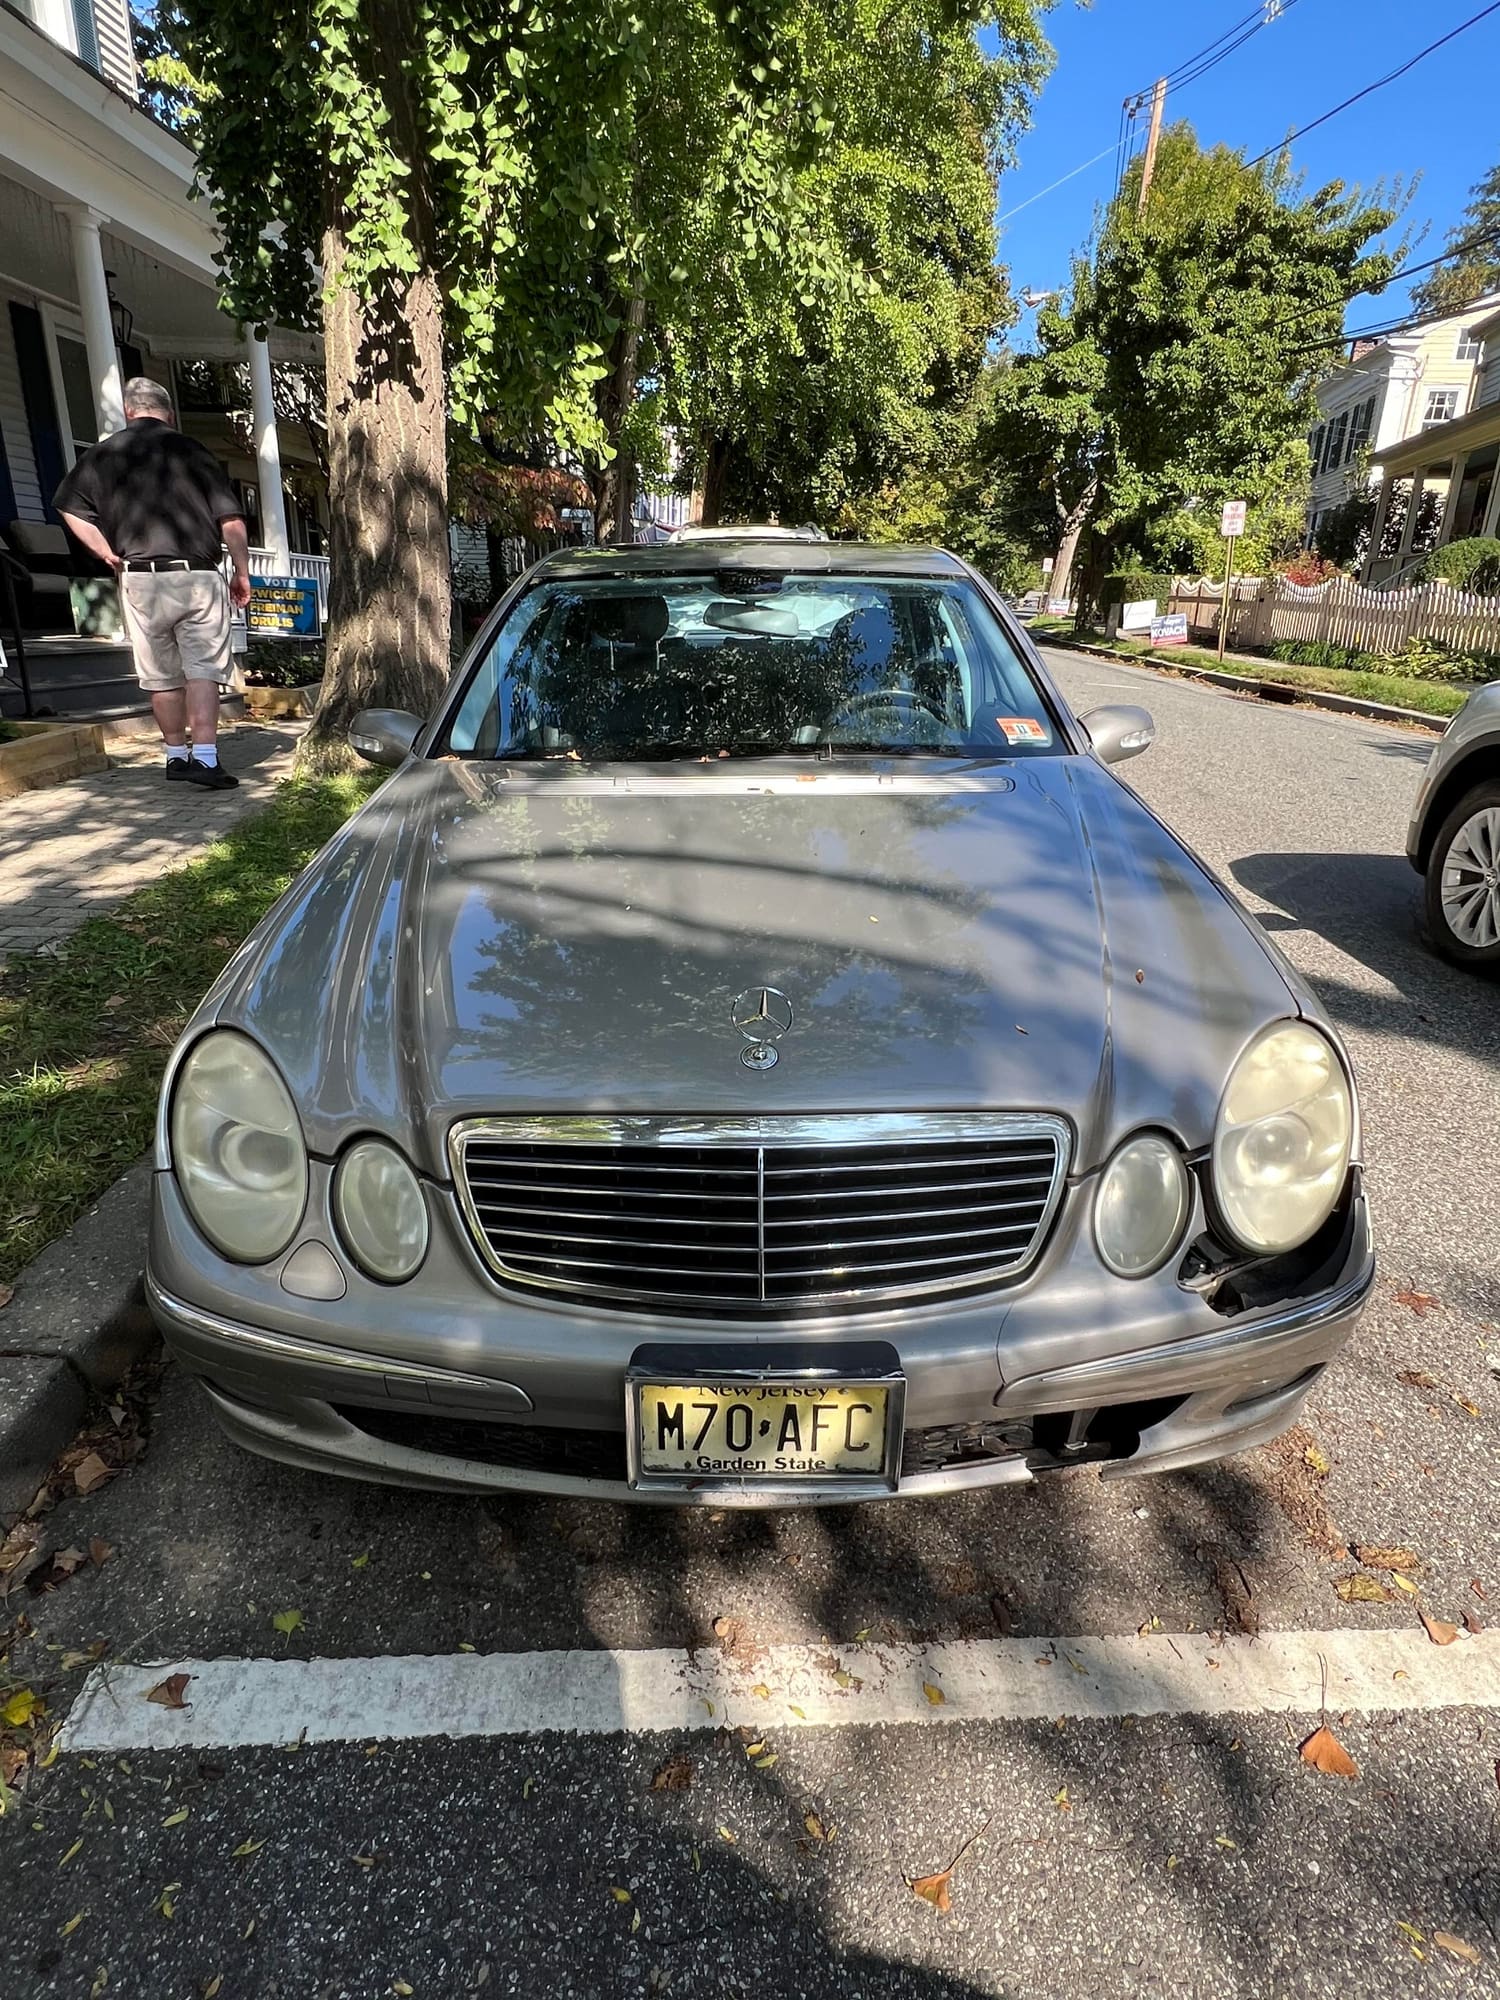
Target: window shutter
x=41 y=407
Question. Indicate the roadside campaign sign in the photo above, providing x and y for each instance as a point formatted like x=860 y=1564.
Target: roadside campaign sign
x=283 y=607
x=1170 y=630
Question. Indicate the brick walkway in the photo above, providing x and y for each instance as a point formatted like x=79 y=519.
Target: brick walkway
x=69 y=851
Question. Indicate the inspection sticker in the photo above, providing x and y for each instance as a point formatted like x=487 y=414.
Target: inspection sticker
x=1022 y=729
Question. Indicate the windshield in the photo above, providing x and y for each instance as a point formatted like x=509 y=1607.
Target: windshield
x=728 y=665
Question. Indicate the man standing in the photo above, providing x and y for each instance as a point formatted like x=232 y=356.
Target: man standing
x=156 y=506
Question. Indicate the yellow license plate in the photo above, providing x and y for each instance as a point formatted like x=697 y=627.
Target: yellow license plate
x=762 y=1430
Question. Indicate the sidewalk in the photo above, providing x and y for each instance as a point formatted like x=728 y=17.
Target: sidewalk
x=71 y=850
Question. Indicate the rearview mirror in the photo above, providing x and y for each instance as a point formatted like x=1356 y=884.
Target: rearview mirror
x=1119 y=731
x=384 y=735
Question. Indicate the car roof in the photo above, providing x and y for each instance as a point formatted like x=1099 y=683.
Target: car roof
x=759 y=555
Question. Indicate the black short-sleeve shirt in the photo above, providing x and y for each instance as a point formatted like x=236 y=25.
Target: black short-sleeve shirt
x=152 y=492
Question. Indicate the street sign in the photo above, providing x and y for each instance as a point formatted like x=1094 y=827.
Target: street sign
x=1232 y=520
x=283 y=607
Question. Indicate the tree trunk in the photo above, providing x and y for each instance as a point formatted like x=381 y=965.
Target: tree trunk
x=1074 y=520
x=389 y=597
x=615 y=485
x=715 y=478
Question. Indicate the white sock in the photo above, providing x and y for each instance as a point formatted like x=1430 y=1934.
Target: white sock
x=177 y=753
x=205 y=753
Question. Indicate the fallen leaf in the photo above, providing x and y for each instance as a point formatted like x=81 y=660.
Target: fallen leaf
x=247 y=1847
x=20 y=1708
x=100 y=1551
x=1439 y=1631
x=1325 y=1753
x=27 y=1214
x=166 y=1904
x=933 y=1889
x=844 y=1679
x=101 y=1981
x=364 y=1860
x=176 y=1818
x=1476 y=1586
x=673 y=1776
x=818 y=1829
x=1062 y=1801
x=1455 y=1947
x=934 y=1694
x=1472 y=1625
x=767 y=1763
x=1376 y=1556
x=761 y=1691
x=1421 y=1303
x=76 y=1848
x=67 y=1929
x=725 y=1834
x=620 y=1895
x=91 y=1472
x=1361 y=1589
x=1140 y=978
x=20 y=1554
x=1416 y=1378
x=286 y=1622
x=399 y=1986
x=211 y=1990
x=1405 y=1583
x=1223 y=1840
x=635 y=1922
x=800 y=1713
x=7 y=1293
x=1317 y=1458
x=168 y=1693
x=1411 y=1931
x=1472 y=1409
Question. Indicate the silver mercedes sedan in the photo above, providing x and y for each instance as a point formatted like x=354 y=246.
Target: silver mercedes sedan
x=754 y=1051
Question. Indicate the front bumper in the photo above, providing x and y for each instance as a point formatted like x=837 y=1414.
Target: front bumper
x=417 y=1385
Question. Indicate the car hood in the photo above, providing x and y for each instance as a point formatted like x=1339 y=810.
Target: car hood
x=544 y=939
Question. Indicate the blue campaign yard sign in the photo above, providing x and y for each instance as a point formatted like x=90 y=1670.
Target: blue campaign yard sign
x=283 y=605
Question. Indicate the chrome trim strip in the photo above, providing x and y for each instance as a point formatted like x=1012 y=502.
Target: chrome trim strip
x=267 y=1345
x=858 y=1129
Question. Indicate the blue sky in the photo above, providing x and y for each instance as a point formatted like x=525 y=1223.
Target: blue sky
x=1440 y=122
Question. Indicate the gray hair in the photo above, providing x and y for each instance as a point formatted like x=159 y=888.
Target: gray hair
x=147 y=397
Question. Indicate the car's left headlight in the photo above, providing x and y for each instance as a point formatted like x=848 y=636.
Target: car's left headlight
x=382 y=1216
x=1141 y=1205
x=1283 y=1138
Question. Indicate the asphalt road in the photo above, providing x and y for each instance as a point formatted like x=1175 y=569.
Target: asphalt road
x=1187 y=1853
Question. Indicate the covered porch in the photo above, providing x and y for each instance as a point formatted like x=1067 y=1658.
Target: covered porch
x=1460 y=457
x=106 y=271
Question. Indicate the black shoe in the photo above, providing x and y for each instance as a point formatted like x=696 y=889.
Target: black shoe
x=212 y=777
x=177 y=769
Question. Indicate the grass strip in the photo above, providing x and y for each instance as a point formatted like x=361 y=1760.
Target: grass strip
x=1396 y=690
x=85 y=1034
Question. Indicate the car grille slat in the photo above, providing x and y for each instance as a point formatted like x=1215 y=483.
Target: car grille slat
x=755 y=1217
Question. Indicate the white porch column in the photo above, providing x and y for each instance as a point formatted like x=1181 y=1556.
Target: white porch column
x=1377 y=529
x=1450 y=504
x=98 y=333
x=268 y=455
x=1409 y=525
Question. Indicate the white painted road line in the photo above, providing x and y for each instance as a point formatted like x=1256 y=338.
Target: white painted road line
x=232 y=1702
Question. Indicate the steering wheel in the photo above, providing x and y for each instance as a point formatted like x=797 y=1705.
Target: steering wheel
x=891 y=698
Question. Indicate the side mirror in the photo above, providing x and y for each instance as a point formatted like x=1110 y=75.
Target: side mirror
x=1119 y=731
x=384 y=735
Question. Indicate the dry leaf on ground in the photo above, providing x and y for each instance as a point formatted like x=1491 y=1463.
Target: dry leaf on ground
x=19 y=1708
x=1421 y=1303
x=1325 y=1753
x=1317 y=1458
x=673 y=1776
x=1456 y=1947
x=7 y=1293
x=100 y=1551
x=934 y=1889
x=1474 y=1626
x=168 y=1693
x=91 y=1472
x=1439 y=1631
x=1375 y=1555
x=1361 y=1589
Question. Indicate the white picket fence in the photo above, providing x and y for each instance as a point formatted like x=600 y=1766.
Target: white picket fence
x=1341 y=612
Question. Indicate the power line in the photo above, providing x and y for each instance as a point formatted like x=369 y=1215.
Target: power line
x=1407 y=271
x=1006 y=214
x=1406 y=325
x=1380 y=82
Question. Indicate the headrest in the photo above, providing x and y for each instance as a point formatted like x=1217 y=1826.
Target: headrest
x=637 y=621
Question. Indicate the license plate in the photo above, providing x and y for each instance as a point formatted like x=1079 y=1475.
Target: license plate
x=762 y=1432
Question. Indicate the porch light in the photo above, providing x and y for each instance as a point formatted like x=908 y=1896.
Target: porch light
x=121 y=318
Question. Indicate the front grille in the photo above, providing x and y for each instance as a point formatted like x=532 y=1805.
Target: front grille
x=522 y=1447
x=752 y=1217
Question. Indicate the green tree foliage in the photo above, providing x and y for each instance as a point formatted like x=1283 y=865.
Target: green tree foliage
x=1177 y=373
x=803 y=388
x=1472 y=264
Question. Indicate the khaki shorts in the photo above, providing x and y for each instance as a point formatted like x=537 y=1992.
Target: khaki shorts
x=178 y=621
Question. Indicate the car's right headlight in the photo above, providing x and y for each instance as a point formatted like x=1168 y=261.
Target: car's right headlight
x=237 y=1148
x=1283 y=1138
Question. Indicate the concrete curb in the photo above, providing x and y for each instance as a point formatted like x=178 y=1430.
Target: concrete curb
x=76 y=1324
x=1272 y=691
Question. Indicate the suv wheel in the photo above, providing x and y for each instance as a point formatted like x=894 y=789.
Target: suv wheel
x=1463 y=881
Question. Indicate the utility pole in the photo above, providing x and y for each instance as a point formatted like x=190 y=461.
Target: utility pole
x=1148 y=165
